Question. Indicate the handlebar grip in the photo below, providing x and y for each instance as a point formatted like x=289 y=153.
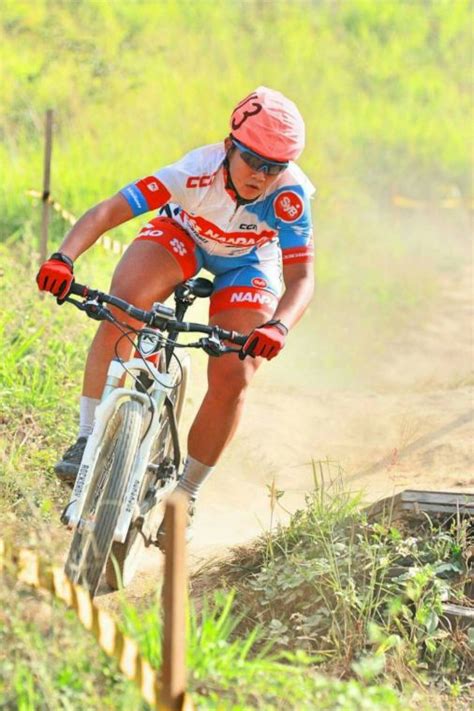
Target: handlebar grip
x=238 y=338
x=78 y=289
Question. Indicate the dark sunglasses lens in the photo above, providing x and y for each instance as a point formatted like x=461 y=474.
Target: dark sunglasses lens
x=257 y=164
x=275 y=169
x=251 y=160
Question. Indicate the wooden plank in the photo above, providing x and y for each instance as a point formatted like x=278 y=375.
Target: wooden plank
x=174 y=604
x=459 y=616
x=438 y=497
x=440 y=502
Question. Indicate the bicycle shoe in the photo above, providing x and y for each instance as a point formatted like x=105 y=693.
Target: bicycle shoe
x=161 y=532
x=67 y=468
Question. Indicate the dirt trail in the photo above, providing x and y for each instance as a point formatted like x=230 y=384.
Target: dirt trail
x=413 y=427
x=410 y=427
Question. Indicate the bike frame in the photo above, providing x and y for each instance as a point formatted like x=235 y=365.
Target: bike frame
x=111 y=400
x=153 y=348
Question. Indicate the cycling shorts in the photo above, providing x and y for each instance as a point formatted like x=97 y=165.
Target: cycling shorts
x=242 y=282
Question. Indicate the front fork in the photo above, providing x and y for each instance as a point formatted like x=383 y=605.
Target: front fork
x=111 y=398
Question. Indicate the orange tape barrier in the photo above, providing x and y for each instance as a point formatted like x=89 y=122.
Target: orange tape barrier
x=109 y=244
x=27 y=567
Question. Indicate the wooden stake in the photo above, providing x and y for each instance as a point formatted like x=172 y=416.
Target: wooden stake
x=43 y=247
x=174 y=603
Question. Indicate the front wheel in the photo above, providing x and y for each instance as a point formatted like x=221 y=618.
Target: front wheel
x=125 y=557
x=92 y=539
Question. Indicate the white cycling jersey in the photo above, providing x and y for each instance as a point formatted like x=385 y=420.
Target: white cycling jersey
x=195 y=192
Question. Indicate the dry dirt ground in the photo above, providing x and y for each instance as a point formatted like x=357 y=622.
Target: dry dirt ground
x=407 y=424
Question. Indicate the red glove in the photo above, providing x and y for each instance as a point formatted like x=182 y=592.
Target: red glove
x=266 y=341
x=56 y=275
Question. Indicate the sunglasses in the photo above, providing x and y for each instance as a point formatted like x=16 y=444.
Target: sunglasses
x=257 y=163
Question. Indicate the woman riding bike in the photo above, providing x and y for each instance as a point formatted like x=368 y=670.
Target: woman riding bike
x=239 y=208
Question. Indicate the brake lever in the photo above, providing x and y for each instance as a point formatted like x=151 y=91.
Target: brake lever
x=92 y=308
x=249 y=352
x=97 y=312
x=212 y=345
x=77 y=303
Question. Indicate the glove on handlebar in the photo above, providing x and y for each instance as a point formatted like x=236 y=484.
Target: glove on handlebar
x=266 y=340
x=56 y=275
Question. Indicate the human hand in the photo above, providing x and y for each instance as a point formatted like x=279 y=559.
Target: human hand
x=56 y=275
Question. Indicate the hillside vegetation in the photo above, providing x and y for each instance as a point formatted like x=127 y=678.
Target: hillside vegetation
x=386 y=93
x=384 y=88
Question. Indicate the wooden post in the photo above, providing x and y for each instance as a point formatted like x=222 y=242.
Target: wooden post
x=174 y=603
x=43 y=247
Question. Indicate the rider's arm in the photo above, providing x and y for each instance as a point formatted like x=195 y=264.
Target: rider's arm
x=94 y=223
x=171 y=183
x=299 y=289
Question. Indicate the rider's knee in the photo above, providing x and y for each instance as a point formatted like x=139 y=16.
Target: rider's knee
x=120 y=287
x=230 y=382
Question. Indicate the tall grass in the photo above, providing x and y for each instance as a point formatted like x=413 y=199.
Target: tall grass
x=227 y=670
x=331 y=593
x=384 y=88
x=48 y=661
x=362 y=597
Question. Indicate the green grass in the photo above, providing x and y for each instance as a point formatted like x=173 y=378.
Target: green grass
x=309 y=617
x=331 y=612
x=48 y=661
x=358 y=597
x=384 y=88
x=227 y=671
x=42 y=352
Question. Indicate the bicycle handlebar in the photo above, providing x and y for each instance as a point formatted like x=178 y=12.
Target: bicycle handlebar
x=160 y=316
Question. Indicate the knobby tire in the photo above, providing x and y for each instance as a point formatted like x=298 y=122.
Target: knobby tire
x=124 y=557
x=90 y=548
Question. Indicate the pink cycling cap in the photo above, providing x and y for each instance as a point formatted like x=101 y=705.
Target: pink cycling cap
x=269 y=124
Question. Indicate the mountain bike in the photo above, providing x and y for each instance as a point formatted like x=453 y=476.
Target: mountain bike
x=133 y=456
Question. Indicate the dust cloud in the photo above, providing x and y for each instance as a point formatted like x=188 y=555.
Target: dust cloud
x=387 y=400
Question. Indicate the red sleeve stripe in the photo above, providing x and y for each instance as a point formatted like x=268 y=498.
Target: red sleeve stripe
x=298 y=255
x=154 y=191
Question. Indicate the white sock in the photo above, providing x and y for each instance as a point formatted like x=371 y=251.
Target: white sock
x=194 y=475
x=87 y=407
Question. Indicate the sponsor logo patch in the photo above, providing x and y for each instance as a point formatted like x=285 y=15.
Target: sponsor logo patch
x=154 y=191
x=178 y=246
x=288 y=206
x=200 y=181
x=247 y=227
x=150 y=233
x=259 y=282
x=251 y=297
x=206 y=231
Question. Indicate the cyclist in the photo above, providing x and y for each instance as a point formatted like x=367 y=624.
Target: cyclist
x=239 y=208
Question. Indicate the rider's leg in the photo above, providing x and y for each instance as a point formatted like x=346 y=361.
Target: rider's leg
x=228 y=379
x=146 y=273
x=243 y=298
x=162 y=256
x=149 y=270
x=220 y=411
